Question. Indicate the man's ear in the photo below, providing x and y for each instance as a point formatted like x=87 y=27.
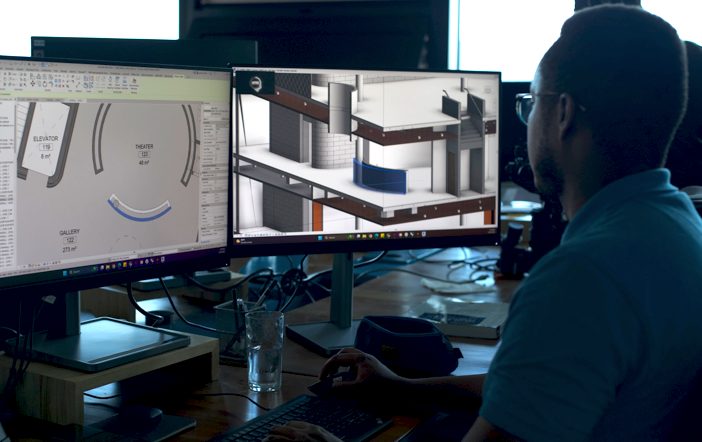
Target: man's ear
x=566 y=115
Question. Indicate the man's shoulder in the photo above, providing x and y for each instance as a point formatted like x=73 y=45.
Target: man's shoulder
x=570 y=273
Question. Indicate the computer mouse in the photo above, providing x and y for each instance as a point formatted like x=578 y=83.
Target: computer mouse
x=324 y=386
x=139 y=419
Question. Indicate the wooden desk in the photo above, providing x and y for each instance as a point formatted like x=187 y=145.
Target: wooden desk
x=217 y=414
x=394 y=294
x=55 y=394
x=391 y=294
x=216 y=411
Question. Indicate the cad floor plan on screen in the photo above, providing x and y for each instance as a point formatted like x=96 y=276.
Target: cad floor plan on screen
x=92 y=176
x=348 y=151
x=84 y=165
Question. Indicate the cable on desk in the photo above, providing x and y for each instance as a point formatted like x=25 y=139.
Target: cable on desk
x=94 y=396
x=28 y=352
x=460 y=261
x=157 y=319
x=477 y=265
x=380 y=256
x=12 y=381
x=233 y=394
x=422 y=275
x=471 y=275
x=297 y=282
x=21 y=357
x=229 y=287
x=11 y=330
x=266 y=288
x=182 y=318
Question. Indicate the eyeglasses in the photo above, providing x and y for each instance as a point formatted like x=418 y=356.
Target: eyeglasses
x=525 y=103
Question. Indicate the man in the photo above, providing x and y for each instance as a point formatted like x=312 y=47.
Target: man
x=588 y=352
x=603 y=337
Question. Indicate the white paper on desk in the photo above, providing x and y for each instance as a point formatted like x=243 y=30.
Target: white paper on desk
x=455 y=287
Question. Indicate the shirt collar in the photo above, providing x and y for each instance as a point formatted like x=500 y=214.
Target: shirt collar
x=615 y=194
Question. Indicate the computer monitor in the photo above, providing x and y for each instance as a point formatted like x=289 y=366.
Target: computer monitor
x=347 y=160
x=110 y=173
x=180 y=52
x=397 y=34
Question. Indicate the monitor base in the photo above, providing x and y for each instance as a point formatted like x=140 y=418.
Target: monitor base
x=323 y=338
x=101 y=344
x=167 y=427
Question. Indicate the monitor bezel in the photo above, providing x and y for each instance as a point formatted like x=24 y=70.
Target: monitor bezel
x=202 y=259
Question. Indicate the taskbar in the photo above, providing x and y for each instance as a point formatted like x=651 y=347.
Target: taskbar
x=275 y=238
x=150 y=264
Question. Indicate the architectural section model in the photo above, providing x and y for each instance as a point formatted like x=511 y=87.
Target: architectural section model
x=350 y=151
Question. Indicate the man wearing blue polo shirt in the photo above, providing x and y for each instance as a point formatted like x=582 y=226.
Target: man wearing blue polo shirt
x=604 y=337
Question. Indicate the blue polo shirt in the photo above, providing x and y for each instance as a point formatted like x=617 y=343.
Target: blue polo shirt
x=605 y=334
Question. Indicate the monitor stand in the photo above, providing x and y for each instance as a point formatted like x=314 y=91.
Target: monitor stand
x=96 y=344
x=327 y=338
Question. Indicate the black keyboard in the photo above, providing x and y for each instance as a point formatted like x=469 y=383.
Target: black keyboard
x=343 y=418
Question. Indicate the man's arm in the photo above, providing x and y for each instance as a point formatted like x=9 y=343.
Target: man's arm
x=370 y=376
x=446 y=390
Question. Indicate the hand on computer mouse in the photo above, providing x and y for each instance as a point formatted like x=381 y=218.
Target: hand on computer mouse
x=300 y=431
x=325 y=386
x=365 y=369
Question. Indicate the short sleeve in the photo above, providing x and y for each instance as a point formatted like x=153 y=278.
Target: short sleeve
x=570 y=340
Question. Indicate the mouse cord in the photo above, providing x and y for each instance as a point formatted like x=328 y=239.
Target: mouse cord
x=234 y=394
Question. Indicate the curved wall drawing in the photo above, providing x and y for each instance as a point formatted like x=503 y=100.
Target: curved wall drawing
x=379 y=178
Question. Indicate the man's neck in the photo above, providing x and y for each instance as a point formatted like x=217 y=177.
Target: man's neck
x=577 y=193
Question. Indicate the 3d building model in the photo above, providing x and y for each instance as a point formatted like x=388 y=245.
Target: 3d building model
x=376 y=147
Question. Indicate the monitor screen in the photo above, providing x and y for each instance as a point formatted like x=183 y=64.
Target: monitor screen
x=329 y=160
x=355 y=160
x=111 y=172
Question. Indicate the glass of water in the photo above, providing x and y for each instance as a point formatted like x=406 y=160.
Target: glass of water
x=264 y=341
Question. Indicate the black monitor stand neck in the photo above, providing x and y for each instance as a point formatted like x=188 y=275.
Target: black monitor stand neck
x=327 y=338
x=66 y=318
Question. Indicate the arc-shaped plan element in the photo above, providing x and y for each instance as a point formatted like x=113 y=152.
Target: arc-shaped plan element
x=139 y=215
x=97 y=137
x=192 y=145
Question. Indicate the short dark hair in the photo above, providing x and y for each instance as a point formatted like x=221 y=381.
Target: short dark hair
x=582 y=4
x=685 y=155
x=627 y=68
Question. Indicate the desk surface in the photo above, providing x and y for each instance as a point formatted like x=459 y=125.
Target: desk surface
x=394 y=294
x=391 y=294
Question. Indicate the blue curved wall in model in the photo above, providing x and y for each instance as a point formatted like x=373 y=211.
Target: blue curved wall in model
x=379 y=178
